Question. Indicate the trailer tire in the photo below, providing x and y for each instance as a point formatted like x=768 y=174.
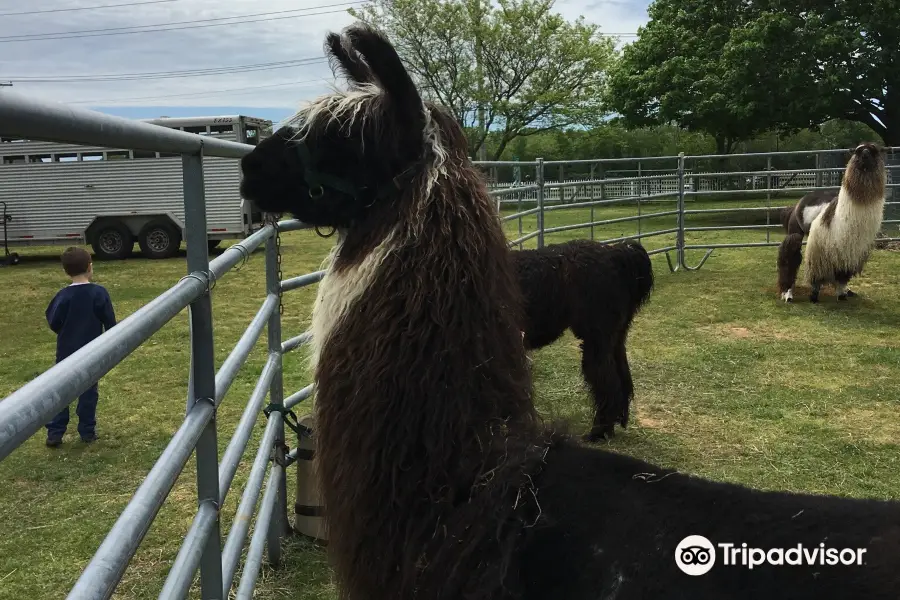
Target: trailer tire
x=159 y=239
x=111 y=240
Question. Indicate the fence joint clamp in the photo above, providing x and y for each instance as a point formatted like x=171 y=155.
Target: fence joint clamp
x=290 y=419
x=209 y=281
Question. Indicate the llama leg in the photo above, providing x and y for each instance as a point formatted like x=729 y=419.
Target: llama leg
x=599 y=369
x=790 y=256
x=627 y=383
x=841 y=286
x=814 y=292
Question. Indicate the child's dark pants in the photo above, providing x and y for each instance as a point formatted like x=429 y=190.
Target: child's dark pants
x=87 y=416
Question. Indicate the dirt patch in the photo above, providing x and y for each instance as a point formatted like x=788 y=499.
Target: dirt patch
x=759 y=331
x=875 y=425
x=650 y=422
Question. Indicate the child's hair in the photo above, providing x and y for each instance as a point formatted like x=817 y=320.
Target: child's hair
x=76 y=261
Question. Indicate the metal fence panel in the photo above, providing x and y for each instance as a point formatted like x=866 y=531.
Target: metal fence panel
x=681 y=183
x=26 y=410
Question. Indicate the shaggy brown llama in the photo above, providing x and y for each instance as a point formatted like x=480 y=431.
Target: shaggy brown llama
x=841 y=227
x=438 y=478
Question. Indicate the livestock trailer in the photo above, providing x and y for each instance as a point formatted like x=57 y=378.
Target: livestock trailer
x=63 y=194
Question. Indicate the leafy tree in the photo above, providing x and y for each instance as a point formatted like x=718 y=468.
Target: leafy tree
x=675 y=72
x=515 y=68
x=811 y=61
x=736 y=68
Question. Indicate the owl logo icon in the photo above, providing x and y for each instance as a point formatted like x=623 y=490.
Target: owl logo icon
x=695 y=555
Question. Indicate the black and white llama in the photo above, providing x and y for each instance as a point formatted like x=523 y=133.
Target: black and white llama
x=841 y=228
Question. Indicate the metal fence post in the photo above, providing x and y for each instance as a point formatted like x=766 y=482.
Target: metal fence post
x=202 y=382
x=593 y=177
x=517 y=180
x=679 y=235
x=818 y=169
x=640 y=182
x=540 y=202
x=768 y=196
x=278 y=526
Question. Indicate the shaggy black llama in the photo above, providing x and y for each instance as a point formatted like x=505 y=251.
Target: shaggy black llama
x=841 y=227
x=595 y=290
x=439 y=480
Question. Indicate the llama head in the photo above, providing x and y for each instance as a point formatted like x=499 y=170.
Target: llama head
x=345 y=155
x=865 y=176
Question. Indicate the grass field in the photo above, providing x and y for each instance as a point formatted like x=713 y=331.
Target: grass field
x=730 y=384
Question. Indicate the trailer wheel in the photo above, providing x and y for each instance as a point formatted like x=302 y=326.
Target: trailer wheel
x=112 y=240
x=159 y=239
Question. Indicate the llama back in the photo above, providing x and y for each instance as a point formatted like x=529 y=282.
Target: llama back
x=784 y=215
x=636 y=268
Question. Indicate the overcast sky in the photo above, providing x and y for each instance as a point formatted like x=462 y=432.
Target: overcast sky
x=273 y=38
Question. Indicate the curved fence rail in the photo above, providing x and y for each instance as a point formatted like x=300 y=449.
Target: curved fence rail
x=26 y=410
x=670 y=195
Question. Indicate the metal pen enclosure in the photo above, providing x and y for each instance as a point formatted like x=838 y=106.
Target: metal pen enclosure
x=671 y=194
x=26 y=410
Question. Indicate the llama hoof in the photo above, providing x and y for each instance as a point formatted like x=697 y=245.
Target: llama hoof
x=850 y=294
x=814 y=299
x=842 y=297
x=788 y=296
x=598 y=434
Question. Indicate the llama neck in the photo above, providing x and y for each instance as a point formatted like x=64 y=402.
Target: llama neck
x=856 y=219
x=339 y=290
x=423 y=388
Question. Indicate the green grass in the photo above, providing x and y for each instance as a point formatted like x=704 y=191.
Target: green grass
x=730 y=384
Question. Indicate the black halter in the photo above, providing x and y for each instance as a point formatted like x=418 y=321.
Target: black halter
x=317 y=181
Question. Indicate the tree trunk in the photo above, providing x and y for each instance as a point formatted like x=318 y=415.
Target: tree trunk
x=891 y=120
x=721 y=141
x=891 y=137
x=498 y=151
x=723 y=147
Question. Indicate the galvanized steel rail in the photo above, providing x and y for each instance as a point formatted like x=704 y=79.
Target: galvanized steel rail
x=679 y=196
x=25 y=411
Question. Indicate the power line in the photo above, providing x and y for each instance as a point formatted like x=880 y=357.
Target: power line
x=37 y=37
x=193 y=21
x=59 y=10
x=206 y=93
x=168 y=74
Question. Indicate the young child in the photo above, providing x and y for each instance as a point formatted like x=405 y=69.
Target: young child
x=78 y=314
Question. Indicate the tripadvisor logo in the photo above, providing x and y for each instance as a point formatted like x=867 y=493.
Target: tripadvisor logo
x=696 y=555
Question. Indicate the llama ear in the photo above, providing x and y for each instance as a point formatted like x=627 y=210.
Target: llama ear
x=349 y=61
x=387 y=68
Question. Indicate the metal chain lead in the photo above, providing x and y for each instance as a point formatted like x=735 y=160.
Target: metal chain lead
x=278 y=262
x=273 y=221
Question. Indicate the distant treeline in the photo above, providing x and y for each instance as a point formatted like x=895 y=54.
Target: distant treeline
x=615 y=141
